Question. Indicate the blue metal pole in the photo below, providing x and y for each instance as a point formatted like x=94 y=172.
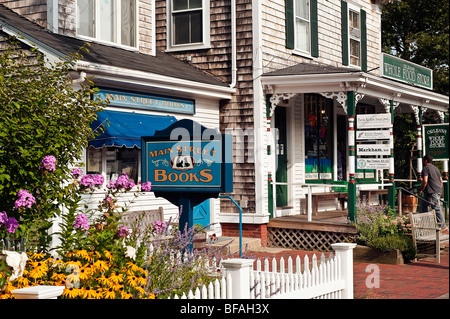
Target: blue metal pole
x=240 y=221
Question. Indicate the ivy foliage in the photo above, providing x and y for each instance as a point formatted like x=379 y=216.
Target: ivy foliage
x=42 y=113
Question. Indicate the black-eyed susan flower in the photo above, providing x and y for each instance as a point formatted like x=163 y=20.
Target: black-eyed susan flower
x=89 y=293
x=101 y=265
x=116 y=278
x=71 y=293
x=109 y=293
x=108 y=255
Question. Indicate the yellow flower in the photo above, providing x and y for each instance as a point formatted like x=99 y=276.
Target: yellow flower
x=114 y=277
x=39 y=270
x=141 y=281
x=109 y=293
x=132 y=281
x=82 y=254
x=101 y=265
x=37 y=256
x=108 y=255
x=60 y=278
x=23 y=282
x=103 y=280
x=89 y=293
x=71 y=292
x=84 y=273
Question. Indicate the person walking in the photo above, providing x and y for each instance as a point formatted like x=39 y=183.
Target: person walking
x=431 y=188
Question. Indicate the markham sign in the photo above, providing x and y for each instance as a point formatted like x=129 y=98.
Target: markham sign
x=405 y=71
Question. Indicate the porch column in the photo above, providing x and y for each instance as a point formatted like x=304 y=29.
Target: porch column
x=351 y=156
x=391 y=189
x=419 y=146
x=446 y=180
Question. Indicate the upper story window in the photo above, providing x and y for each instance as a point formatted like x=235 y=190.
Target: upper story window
x=302 y=27
x=111 y=21
x=188 y=24
x=354 y=37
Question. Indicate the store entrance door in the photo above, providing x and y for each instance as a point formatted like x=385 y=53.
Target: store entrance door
x=281 y=149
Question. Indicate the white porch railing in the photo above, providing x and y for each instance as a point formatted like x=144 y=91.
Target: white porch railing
x=330 y=278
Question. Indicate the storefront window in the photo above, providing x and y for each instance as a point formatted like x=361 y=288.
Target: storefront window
x=113 y=162
x=318 y=138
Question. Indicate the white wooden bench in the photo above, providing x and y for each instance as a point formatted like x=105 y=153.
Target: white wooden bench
x=144 y=217
x=425 y=229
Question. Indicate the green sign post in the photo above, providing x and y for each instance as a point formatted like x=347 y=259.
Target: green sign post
x=405 y=71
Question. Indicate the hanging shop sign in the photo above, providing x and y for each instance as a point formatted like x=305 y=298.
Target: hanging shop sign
x=370 y=121
x=373 y=149
x=147 y=102
x=373 y=163
x=188 y=163
x=373 y=135
x=405 y=71
x=436 y=140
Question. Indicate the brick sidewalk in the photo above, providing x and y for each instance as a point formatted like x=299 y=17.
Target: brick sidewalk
x=424 y=279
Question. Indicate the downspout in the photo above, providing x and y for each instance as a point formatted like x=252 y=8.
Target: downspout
x=233 y=45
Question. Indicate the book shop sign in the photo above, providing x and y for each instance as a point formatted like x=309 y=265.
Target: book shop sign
x=405 y=71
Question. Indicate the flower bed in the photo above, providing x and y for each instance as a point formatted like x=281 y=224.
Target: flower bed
x=98 y=257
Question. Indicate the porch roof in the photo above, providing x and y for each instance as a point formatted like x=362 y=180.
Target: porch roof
x=319 y=78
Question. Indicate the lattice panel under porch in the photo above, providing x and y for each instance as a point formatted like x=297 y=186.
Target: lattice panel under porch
x=311 y=240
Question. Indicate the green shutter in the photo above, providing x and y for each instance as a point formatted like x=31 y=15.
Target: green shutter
x=314 y=29
x=344 y=32
x=363 y=41
x=290 y=24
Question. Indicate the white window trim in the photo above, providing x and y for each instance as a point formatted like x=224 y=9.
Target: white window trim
x=111 y=43
x=206 y=44
x=357 y=9
x=297 y=51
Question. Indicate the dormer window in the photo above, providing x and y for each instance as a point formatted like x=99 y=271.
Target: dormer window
x=109 y=21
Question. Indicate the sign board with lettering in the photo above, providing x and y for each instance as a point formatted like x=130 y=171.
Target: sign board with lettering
x=405 y=71
x=147 y=102
x=372 y=163
x=366 y=121
x=373 y=149
x=436 y=140
x=178 y=159
x=373 y=135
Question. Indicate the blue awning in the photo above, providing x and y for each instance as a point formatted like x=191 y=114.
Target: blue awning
x=126 y=129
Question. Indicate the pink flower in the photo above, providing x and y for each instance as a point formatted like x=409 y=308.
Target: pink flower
x=124 y=232
x=147 y=186
x=25 y=199
x=122 y=182
x=87 y=181
x=77 y=172
x=10 y=223
x=49 y=163
x=81 y=221
x=98 y=180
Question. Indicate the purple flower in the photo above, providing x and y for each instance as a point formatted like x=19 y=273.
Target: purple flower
x=98 y=180
x=12 y=225
x=122 y=182
x=147 y=186
x=159 y=226
x=77 y=172
x=25 y=199
x=3 y=218
x=81 y=221
x=87 y=181
x=49 y=163
x=124 y=232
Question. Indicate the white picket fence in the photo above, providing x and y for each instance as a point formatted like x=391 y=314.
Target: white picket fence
x=327 y=278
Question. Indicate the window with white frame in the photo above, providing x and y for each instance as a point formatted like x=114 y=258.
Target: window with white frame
x=188 y=24
x=302 y=25
x=111 y=21
x=354 y=37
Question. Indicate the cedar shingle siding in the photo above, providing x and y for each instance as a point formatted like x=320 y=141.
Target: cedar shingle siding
x=237 y=113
